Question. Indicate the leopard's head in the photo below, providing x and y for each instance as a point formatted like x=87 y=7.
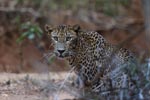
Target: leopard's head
x=64 y=38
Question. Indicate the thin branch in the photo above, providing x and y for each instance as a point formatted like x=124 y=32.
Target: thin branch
x=22 y=10
x=56 y=97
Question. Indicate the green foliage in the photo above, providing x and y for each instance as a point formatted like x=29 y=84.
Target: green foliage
x=67 y=4
x=17 y=20
x=51 y=59
x=30 y=31
x=53 y=5
x=110 y=7
x=20 y=1
x=125 y=2
x=33 y=3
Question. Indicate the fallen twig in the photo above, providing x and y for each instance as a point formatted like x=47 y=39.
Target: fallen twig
x=56 y=97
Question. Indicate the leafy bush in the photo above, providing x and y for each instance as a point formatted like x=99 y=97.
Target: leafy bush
x=31 y=31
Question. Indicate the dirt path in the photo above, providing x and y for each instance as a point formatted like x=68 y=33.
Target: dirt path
x=31 y=86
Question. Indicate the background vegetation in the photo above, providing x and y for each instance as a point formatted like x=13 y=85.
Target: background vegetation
x=25 y=47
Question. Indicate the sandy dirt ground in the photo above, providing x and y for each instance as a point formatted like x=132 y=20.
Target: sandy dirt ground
x=32 y=86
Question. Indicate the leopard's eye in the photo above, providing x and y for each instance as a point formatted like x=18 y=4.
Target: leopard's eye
x=68 y=38
x=55 y=38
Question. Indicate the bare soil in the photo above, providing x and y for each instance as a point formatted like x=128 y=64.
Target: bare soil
x=32 y=87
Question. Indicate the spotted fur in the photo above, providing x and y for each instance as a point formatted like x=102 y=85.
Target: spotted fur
x=92 y=56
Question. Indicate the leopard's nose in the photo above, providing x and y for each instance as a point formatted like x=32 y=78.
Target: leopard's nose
x=61 y=51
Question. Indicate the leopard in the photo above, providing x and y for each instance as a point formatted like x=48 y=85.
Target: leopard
x=99 y=65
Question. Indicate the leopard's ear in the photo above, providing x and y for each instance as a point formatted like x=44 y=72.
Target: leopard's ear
x=48 y=28
x=76 y=28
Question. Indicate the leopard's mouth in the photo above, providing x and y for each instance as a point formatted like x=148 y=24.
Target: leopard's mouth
x=61 y=56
